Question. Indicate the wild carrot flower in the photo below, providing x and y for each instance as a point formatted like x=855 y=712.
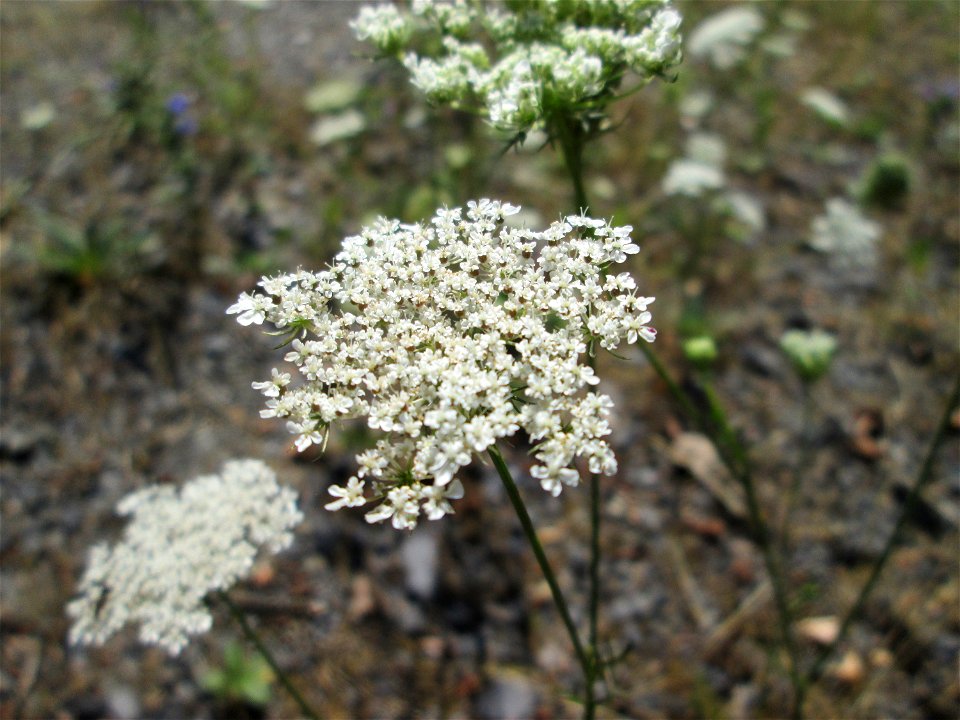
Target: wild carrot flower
x=849 y=238
x=179 y=546
x=701 y=170
x=522 y=64
x=692 y=178
x=723 y=37
x=446 y=336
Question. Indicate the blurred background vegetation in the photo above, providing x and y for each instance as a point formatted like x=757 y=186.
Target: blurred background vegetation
x=158 y=157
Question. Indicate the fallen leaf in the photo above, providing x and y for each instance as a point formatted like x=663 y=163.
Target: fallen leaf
x=696 y=454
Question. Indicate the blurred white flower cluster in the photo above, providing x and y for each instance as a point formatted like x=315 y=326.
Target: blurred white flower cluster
x=849 y=238
x=700 y=173
x=701 y=170
x=179 y=546
x=449 y=335
x=530 y=62
x=827 y=105
x=723 y=38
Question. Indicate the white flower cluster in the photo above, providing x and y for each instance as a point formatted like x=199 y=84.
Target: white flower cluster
x=722 y=38
x=849 y=238
x=449 y=335
x=701 y=170
x=179 y=546
x=692 y=178
x=539 y=58
x=384 y=26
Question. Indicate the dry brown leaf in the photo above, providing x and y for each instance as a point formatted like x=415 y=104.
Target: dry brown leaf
x=696 y=454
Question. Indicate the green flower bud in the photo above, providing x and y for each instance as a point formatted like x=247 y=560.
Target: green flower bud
x=701 y=350
x=810 y=352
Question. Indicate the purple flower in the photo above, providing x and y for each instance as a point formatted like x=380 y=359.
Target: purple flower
x=177 y=104
x=942 y=90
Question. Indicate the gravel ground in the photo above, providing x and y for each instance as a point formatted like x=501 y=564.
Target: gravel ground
x=109 y=386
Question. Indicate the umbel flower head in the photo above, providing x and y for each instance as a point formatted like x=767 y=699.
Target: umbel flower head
x=524 y=64
x=179 y=546
x=446 y=336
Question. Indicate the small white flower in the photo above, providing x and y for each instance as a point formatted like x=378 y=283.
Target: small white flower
x=252 y=309
x=271 y=388
x=438 y=499
x=349 y=496
x=383 y=25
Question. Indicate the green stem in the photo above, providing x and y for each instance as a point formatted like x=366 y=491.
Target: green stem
x=672 y=387
x=924 y=477
x=594 y=560
x=806 y=442
x=513 y=492
x=254 y=638
x=572 y=141
x=738 y=463
x=594 y=600
x=734 y=456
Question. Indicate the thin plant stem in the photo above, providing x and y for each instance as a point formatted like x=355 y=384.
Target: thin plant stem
x=806 y=442
x=734 y=456
x=924 y=478
x=572 y=142
x=254 y=638
x=586 y=661
x=594 y=560
x=740 y=468
x=594 y=599
x=672 y=387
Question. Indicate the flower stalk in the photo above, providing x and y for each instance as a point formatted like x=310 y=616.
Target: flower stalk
x=572 y=138
x=733 y=455
x=265 y=653
x=587 y=661
x=924 y=478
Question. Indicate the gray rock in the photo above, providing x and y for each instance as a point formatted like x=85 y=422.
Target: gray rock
x=419 y=553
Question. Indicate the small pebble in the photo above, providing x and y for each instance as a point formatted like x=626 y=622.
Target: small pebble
x=850 y=669
x=821 y=630
x=362 y=600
